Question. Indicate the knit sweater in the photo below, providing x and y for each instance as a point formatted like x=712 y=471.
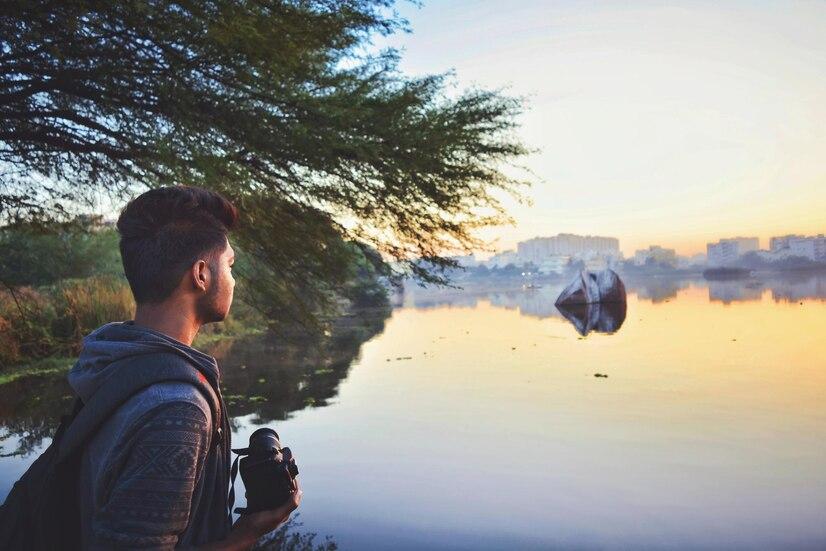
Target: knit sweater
x=151 y=477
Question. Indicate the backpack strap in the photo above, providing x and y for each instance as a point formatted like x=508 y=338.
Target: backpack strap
x=135 y=374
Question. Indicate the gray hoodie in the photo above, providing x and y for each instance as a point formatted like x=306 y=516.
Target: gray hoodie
x=152 y=475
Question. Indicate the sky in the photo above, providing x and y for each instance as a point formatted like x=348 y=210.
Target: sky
x=657 y=123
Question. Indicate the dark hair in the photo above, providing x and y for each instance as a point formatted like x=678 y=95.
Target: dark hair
x=166 y=230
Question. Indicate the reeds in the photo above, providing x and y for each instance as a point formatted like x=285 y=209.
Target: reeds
x=91 y=302
x=52 y=320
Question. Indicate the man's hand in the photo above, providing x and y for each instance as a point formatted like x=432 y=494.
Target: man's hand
x=263 y=522
x=250 y=528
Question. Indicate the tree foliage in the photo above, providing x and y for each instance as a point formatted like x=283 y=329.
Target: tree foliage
x=33 y=254
x=283 y=105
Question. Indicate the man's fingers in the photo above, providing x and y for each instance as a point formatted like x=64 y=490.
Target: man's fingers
x=297 y=498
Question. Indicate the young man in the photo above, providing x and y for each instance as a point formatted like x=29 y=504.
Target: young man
x=155 y=475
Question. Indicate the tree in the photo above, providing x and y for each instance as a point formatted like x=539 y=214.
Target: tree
x=282 y=105
x=36 y=255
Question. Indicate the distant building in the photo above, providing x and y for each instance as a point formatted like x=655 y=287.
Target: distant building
x=539 y=249
x=727 y=252
x=775 y=256
x=811 y=247
x=656 y=254
x=782 y=242
x=500 y=260
x=554 y=265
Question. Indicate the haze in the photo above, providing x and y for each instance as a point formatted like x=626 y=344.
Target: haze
x=657 y=124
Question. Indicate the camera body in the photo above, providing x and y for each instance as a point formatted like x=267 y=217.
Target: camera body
x=267 y=470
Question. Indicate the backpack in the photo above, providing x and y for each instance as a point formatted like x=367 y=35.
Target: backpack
x=42 y=509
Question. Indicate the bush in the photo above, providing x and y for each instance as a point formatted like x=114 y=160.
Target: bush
x=52 y=320
x=25 y=331
x=86 y=304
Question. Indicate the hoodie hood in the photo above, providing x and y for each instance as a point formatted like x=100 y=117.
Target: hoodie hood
x=120 y=339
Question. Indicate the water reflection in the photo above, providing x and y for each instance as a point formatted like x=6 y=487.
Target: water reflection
x=287 y=537
x=272 y=378
x=734 y=291
x=659 y=289
x=30 y=408
x=710 y=426
x=792 y=287
x=263 y=376
x=601 y=318
x=539 y=303
x=800 y=287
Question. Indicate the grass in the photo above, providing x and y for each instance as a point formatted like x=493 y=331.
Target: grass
x=205 y=340
x=59 y=364
x=36 y=368
x=41 y=329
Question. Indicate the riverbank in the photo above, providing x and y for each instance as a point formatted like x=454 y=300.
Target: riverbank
x=54 y=365
x=38 y=367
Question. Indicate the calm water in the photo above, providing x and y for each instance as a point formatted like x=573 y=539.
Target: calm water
x=474 y=420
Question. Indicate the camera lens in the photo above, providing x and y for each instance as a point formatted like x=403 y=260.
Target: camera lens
x=264 y=440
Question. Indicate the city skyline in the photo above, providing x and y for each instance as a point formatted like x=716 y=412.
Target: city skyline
x=657 y=124
x=772 y=243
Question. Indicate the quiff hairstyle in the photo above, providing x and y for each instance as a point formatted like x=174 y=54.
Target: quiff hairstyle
x=164 y=231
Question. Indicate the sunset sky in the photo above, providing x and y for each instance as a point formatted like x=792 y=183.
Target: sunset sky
x=657 y=124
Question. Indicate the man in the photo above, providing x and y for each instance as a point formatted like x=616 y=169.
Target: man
x=155 y=474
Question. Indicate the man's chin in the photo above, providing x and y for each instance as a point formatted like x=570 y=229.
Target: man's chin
x=217 y=317
x=213 y=316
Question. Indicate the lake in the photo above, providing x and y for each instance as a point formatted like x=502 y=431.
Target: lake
x=487 y=419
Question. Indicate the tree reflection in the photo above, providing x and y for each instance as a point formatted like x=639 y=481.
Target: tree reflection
x=274 y=377
x=30 y=408
x=268 y=376
x=286 y=538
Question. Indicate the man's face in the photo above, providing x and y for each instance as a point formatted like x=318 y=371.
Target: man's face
x=214 y=306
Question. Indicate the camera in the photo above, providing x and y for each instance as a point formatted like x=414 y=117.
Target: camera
x=267 y=470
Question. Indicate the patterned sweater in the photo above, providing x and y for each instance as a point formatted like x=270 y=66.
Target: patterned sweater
x=140 y=472
x=156 y=472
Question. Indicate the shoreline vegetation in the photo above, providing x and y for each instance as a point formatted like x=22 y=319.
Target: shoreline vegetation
x=53 y=365
x=59 y=285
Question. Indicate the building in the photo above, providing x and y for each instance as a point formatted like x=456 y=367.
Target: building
x=781 y=243
x=727 y=252
x=811 y=247
x=656 y=254
x=554 y=265
x=539 y=249
x=500 y=260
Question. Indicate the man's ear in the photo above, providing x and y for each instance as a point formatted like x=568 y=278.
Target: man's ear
x=200 y=275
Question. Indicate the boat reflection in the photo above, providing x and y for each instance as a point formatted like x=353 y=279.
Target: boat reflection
x=599 y=317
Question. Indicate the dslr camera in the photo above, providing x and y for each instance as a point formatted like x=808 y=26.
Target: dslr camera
x=267 y=470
